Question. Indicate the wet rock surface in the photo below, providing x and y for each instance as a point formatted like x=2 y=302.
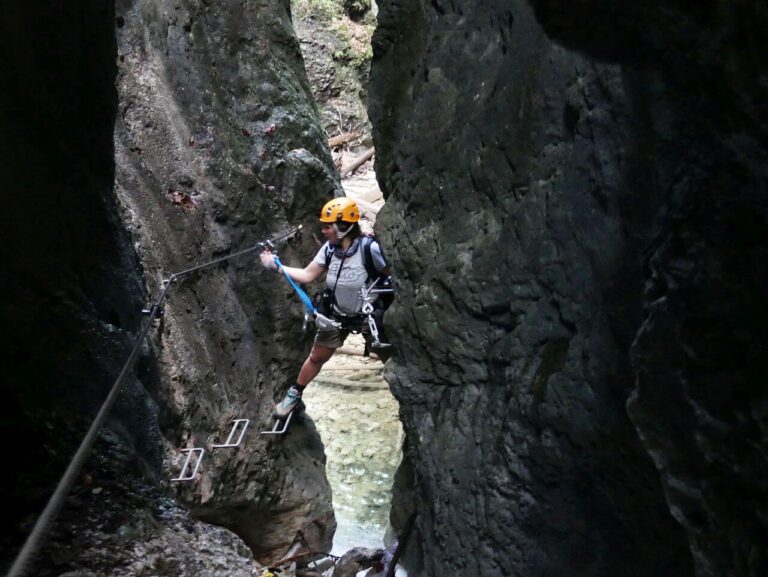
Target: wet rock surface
x=357 y=560
x=516 y=299
x=217 y=146
x=699 y=356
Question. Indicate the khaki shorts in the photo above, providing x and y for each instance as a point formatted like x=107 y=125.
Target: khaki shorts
x=334 y=338
x=331 y=338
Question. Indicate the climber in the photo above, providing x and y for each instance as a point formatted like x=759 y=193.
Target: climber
x=352 y=262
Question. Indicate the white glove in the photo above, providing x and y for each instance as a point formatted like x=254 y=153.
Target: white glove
x=267 y=260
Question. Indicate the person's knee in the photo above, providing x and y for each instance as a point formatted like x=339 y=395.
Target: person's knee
x=319 y=357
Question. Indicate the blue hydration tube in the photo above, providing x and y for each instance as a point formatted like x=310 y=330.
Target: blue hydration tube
x=302 y=295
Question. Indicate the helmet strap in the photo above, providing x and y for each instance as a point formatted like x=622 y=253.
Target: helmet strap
x=339 y=233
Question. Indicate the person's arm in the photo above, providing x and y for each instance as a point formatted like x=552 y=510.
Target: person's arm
x=301 y=275
x=304 y=275
x=379 y=262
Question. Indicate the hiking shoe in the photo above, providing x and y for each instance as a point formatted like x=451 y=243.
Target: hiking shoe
x=288 y=404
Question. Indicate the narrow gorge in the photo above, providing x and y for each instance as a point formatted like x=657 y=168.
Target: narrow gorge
x=575 y=218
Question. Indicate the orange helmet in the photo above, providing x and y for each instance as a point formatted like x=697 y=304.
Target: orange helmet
x=340 y=209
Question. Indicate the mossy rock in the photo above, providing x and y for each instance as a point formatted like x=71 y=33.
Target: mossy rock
x=357 y=9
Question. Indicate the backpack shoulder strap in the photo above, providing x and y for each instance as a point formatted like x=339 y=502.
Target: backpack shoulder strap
x=370 y=268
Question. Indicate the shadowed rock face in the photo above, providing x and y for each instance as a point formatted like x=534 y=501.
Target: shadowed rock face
x=699 y=357
x=217 y=147
x=545 y=212
x=70 y=293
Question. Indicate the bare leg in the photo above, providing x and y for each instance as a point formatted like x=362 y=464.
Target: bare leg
x=318 y=356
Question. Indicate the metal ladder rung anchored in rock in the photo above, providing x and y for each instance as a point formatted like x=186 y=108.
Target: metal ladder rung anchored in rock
x=235 y=425
x=64 y=486
x=183 y=475
x=277 y=429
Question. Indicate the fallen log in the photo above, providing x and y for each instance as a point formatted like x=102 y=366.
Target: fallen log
x=357 y=367
x=349 y=383
x=367 y=206
x=322 y=565
x=342 y=139
x=357 y=162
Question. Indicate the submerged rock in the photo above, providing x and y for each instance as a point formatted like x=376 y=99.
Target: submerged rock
x=356 y=560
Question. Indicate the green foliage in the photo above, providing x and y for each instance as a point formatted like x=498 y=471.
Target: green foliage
x=324 y=10
x=356 y=37
x=357 y=59
x=357 y=51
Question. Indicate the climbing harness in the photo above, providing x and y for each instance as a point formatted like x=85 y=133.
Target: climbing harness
x=52 y=508
x=381 y=286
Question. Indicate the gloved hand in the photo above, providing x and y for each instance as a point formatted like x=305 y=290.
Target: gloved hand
x=267 y=260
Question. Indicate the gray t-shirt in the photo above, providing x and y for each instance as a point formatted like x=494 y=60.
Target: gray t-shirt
x=353 y=274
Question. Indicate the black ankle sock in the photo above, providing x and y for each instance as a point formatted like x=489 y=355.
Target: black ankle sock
x=300 y=387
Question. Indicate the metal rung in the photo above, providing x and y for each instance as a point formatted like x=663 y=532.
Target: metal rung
x=276 y=430
x=235 y=425
x=190 y=477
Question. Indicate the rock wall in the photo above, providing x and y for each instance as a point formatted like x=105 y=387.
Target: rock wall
x=555 y=195
x=569 y=236
x=337 y=52
x=700 y=353
x=218 y=146
x=70 y=292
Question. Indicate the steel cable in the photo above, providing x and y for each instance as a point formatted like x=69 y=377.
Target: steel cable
x=52 y=509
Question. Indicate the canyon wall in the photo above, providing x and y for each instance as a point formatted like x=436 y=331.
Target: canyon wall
x=576 y=219
x=139 y=140
x=575 y=209
x=697 y=77
x=218 y=146
x=71 y=292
